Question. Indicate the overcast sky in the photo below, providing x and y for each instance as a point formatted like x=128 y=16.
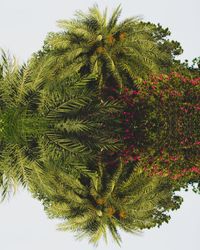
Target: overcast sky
x=25 y=23
x=23 y=27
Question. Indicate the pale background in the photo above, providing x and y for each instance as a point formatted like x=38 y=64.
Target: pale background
x=23 y=27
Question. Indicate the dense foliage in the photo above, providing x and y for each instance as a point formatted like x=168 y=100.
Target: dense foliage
x=102 y=125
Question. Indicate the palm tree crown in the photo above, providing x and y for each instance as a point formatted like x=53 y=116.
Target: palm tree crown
x=93 y=43
x=115 y=198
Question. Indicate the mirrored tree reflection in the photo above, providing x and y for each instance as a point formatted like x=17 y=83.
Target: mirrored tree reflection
x=100 y=155
x=118 y=197
x=42 y=126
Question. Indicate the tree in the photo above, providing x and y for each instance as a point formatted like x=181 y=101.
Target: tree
x=93 y=43
x=169 y=49
x=100 y=147
x=116 y=197
x=18 y=100
x=163 y=127
x=43 y=124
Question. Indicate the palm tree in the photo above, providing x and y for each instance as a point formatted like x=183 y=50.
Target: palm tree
x=18 y=101
x=116 y=197
x=117 y=51
x=43 y=124
x=79 y=123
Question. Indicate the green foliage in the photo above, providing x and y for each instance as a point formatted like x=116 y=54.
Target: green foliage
x=111 y=199
x=169 y=49
x=60 y=124
x=101 y=148
x=93 y=43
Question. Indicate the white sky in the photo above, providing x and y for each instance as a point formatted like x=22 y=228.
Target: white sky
x=23 y=27
x=25 y=23
x=24 y=226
